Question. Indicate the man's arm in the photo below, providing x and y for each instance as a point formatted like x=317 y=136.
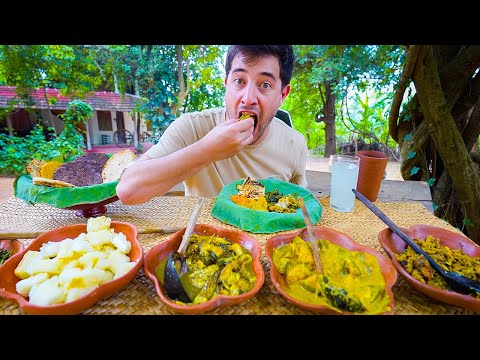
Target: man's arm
x=148 y=177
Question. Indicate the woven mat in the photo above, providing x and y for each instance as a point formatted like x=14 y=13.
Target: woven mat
x=140 y=297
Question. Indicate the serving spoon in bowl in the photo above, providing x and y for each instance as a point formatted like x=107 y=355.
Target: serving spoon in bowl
x=457 y=282
x=335 y=295
x=176 y=264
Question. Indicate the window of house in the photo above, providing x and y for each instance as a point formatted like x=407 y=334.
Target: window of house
x=104 y=120
x=57 y=113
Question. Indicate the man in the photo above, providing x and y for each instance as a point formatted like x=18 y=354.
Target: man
x=211 y=148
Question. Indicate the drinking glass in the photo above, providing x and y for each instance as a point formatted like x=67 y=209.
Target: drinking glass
x=344 y=179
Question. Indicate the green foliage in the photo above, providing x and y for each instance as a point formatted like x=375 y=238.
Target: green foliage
x=68 y=68
x=78 y=112
x=151 y=71
x=414 y=170
x=16 y=152
x=356 y=75
x=411 y=154
x=303 y=117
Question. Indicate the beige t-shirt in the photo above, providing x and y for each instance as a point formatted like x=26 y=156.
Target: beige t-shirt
x=282 y=154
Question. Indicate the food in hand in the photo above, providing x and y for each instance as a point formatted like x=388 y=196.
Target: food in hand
x=246 y=115
x=62 y=271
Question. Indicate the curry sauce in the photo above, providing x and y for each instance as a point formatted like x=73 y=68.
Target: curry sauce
x=354 y=275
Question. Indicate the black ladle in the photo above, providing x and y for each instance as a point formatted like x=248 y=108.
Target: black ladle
x=176 y=264
x=457 y=282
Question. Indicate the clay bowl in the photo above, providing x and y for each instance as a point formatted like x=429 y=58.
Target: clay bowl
x=155 y=255
x=338 y=238
x=8 y=278
x=14 y=245
x=394 y=245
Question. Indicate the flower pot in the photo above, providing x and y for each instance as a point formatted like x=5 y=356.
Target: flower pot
x=371 y=173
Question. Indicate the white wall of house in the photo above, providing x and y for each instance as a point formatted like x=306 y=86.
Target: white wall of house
x=96 y=134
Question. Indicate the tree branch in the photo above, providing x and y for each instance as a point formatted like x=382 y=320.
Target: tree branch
x=411 y=59
x=448 y=140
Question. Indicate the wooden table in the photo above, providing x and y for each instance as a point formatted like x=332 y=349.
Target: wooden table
x=140 y=298
x=390 y=190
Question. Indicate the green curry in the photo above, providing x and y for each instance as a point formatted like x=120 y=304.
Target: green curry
x=356 y=274
x=216 y=266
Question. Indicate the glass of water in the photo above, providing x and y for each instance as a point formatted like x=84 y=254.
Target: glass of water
x=344 y=179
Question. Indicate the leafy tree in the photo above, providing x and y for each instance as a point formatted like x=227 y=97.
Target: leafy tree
x=68 y=68
x=334 y=71
x=438 y=127
x=170 y=78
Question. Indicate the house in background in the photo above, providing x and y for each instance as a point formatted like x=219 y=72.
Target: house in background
x=113 y=121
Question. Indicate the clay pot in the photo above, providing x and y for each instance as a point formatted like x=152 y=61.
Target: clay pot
x=372 y=170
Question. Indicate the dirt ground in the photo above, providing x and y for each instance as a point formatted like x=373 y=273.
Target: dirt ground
x=313 y=163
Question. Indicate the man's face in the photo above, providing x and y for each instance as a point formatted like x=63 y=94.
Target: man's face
x=255 y=88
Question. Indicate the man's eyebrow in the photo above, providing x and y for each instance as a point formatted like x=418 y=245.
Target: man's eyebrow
x=264 y=73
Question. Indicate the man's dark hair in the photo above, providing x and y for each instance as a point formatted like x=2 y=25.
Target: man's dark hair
x=284 y=54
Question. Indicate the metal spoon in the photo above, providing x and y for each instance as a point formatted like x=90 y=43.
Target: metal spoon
x=176 y=264
x=457 y=282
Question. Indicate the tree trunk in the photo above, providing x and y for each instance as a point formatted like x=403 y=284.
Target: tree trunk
x=440 y=150
x=329 y=111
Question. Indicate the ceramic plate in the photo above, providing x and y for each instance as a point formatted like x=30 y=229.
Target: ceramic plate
x=394 y=245
x=155 y=255
x=8 y=279
x=338 y=238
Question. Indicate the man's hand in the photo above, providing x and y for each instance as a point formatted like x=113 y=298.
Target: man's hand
x=228 y=138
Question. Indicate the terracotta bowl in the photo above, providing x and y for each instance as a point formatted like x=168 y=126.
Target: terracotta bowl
x=8 y=278
x=338 y=238
x=14 y=245
x=394 y=245
x=160 y=251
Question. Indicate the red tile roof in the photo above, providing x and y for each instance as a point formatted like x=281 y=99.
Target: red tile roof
x=100 y=100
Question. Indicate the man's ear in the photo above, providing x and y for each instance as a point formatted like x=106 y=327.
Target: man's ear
x=285 y=92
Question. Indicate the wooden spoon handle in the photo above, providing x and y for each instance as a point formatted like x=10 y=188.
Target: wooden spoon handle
x=311 y=236
x=182 y=249
x=8 y=235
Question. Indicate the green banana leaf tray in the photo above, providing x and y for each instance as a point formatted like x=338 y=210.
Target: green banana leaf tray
x=255 y=221
x=87 y=201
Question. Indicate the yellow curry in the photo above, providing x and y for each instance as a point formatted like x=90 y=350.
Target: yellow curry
x=356 y=274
